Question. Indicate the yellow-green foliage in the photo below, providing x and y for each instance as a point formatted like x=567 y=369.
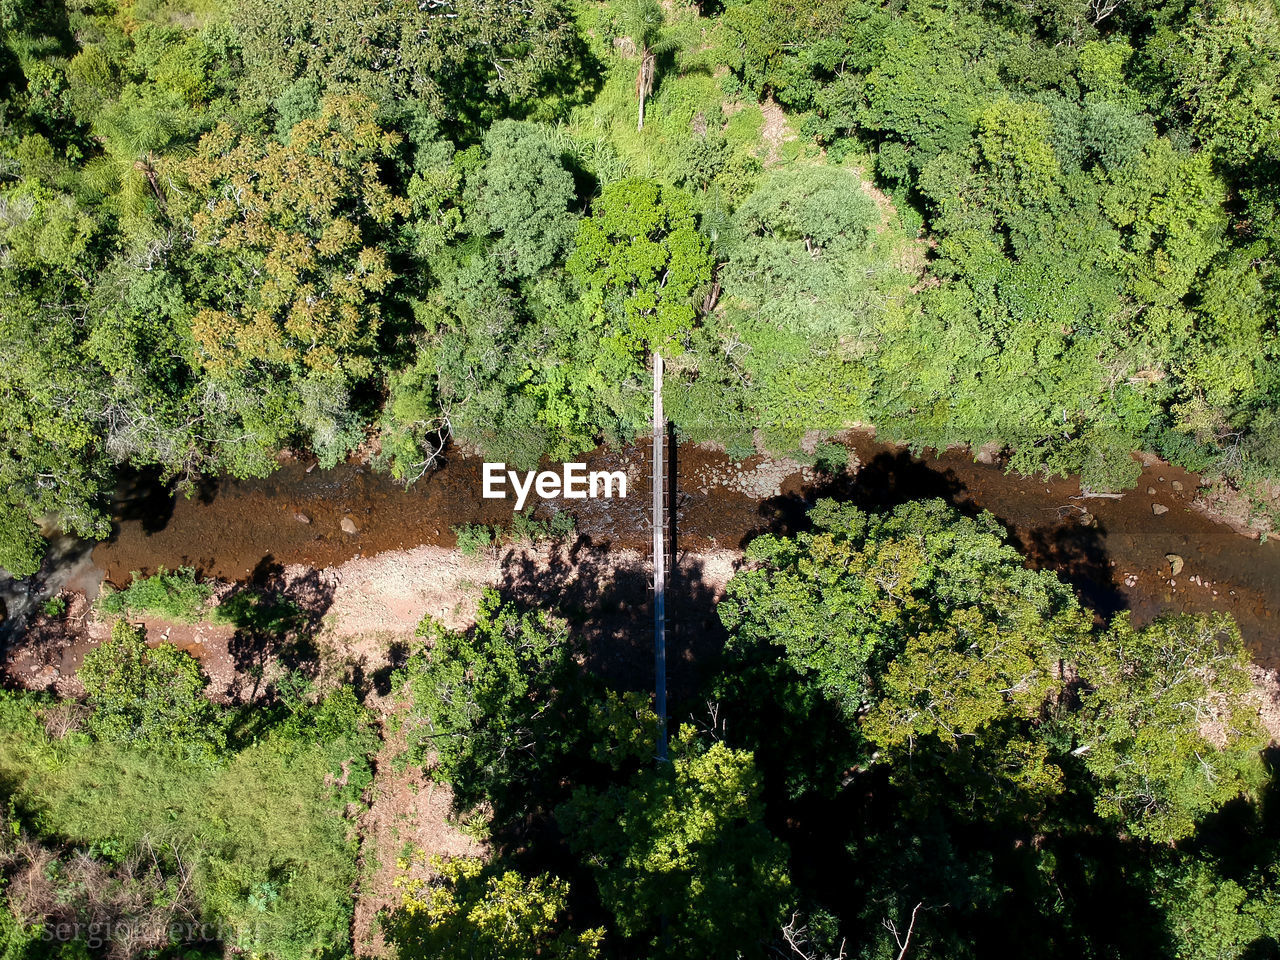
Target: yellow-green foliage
x=468 y=912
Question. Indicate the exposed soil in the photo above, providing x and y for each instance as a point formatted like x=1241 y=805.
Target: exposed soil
x=775 y=132
x=408 y=819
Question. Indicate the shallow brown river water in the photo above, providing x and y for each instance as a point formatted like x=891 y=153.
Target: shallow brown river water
x=1117 y=562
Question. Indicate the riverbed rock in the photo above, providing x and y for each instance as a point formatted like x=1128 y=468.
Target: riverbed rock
x=301 y=517
x=1151 y=491
x=1086 y=519
x=1176 y=563
x=1159 y=508
x=1177 y=485
x=349 y=526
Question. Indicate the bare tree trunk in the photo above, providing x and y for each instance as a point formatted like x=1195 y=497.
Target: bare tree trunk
x=644 y=82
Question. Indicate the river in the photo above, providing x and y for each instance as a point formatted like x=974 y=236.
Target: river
x=1115 y=556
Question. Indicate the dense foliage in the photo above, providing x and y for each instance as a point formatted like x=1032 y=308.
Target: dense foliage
x=247 y=845
x=908 y=733
x=909 y=730
x=232 y=228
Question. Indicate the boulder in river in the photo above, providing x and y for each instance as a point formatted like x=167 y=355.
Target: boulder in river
x=1159 y=508
x=349 y=526
x=1176 y=563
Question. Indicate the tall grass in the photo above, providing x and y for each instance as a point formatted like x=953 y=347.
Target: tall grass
x=267 y=834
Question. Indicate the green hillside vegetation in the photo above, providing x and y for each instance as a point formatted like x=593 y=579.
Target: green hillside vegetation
x=176 y=826
x=1048 y=228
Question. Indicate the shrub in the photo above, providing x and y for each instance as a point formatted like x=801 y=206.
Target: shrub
x=149 y=695
x=525 y=529
x=830 y=457
x=55 y=607
x=174 y=595
x=473 y=538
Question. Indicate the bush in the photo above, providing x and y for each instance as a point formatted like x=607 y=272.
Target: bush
x=525 y=529
x=267 y=833
x=54 y=607
x=831 y=457
x=173 y=595
x=149 y=695
x=473 y=539
x=258 y=612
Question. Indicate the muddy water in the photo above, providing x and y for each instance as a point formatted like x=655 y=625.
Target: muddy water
x=1116 y=558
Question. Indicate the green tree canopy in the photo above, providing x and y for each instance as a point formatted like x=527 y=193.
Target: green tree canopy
x=151 y=696
x=483 y=699
x=686 y=841
x=847 y=597
x=461 y=58
x=1168 y=724
x=640 y=263
x=291 y=230
x=469 y=913
x=522 y=196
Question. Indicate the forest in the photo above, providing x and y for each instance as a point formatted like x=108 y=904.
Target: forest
x=910 y=745
x=351 y=225
x=387 y=230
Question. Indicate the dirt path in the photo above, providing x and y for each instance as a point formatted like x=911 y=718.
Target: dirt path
x=408 y=819
x=775 y=132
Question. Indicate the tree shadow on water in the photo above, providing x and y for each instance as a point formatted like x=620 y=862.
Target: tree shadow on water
x=885 y=481
x=141 y=495
x=1074 y=551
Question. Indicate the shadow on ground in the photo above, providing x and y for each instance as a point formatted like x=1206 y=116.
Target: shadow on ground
x=609 y=607
x=276 y=622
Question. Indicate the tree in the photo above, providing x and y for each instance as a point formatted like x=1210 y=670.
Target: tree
x=1167 y=724
x=973 y=689
x=149 y=696
x=1227 y=65
x=463 y=59
x=641 y=22
x=1212 y=917
x=469 y=913
x=293 y=273
x=823 y=208
x=639 y=261
x=845 y=599
x=522 y=196
x=685 y=842
x=21 y=548
x=485 y=700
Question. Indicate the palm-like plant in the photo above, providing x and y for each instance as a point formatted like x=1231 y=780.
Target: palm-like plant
x=133 y=137
x=642 y=22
